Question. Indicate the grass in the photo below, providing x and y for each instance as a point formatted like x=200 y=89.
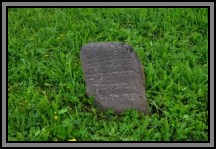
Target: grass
x=47 y=100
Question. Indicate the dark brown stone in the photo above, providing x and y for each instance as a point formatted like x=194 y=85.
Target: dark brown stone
x=114 y=76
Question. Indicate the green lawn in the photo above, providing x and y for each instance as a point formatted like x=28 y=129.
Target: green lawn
x=47 y=100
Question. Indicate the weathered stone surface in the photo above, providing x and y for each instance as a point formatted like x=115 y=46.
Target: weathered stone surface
x=114 y=76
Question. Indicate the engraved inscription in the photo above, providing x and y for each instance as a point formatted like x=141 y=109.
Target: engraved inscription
x=114 y=86
x=131 y=97
x=113 y=64
x=113 y=75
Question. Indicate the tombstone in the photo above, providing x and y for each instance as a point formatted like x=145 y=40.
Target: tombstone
x=114 y=76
